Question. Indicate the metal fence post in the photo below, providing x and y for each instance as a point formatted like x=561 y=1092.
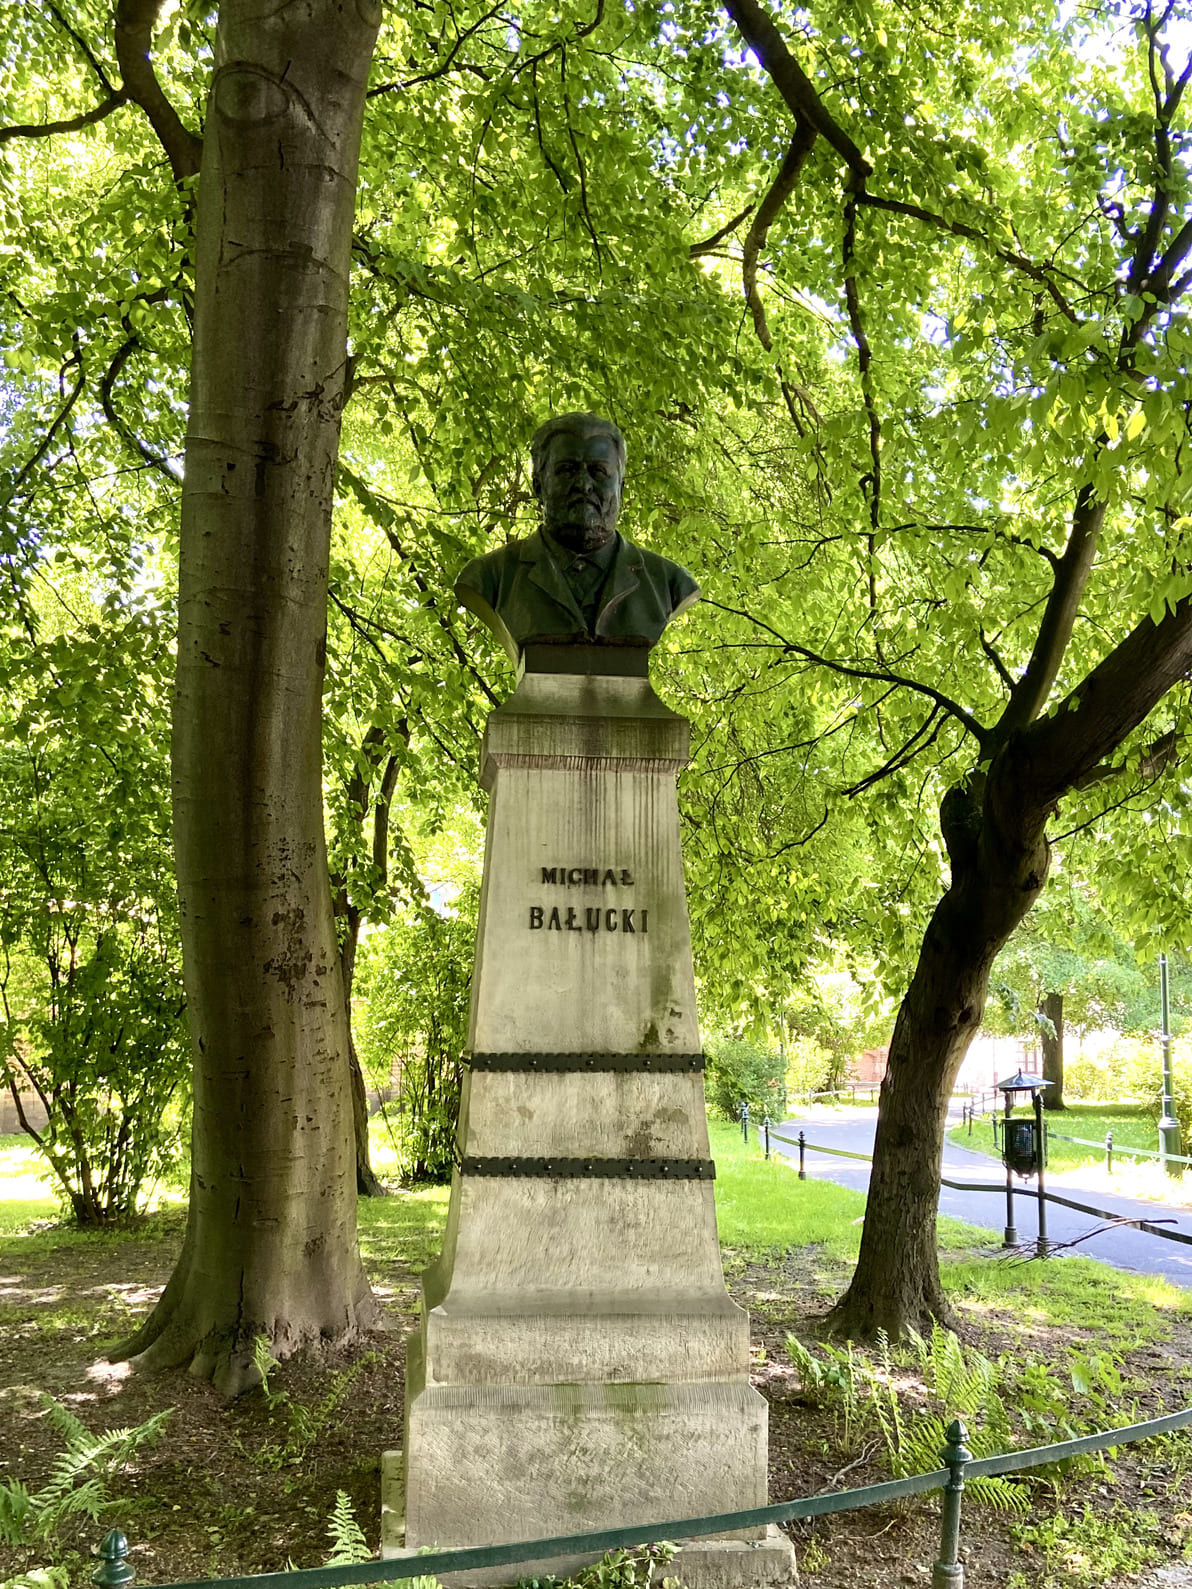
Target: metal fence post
x=766 y=1132
x=1109 y=1153
x=948 y=1573
x=113 y=1571
x=744 y=1121
x=802 y=1146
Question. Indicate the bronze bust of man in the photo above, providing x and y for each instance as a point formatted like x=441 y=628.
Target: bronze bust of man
x=577 y=582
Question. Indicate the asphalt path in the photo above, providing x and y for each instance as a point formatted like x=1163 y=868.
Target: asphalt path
x=851 y=1128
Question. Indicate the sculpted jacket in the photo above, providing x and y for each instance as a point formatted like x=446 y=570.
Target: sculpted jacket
x=522 y=594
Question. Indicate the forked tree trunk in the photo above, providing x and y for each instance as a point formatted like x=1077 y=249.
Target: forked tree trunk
x=994 y=827
x=271 y=1240
x=1052 y=1031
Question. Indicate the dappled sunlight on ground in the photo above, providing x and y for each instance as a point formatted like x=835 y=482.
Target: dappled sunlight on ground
x=108 y=1374
x=22 y=1296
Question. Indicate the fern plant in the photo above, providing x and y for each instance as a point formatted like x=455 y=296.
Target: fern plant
x=865 y=1397
x=834 y=1381
x=78 y=1478
x=348 y=1544
x=39 y=1578
x=968 y=1384
x=306 y=1424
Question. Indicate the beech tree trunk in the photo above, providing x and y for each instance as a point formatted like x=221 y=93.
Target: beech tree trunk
x=271 y=1244
x=1052 y=1031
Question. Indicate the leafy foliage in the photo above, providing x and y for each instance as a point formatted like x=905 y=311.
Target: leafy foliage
x=741 y=1072
x=348 y=1544
x=933 y=475
x=90 y=978
x=416 y=978
x=78 y=1479
x=1001 y=1400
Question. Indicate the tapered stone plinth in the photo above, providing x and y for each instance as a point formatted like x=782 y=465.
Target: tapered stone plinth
x=579 y=1363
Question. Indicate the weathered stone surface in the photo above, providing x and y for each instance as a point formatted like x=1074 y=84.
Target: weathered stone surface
x=583 y=1456
x=545 y=1338
x=699 y=1564
x=587 y=1236
x=589 y=794
x=734 y=1564
x=579 y=1363
x=614 y=1115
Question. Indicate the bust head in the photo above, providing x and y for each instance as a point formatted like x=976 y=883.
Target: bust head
x=578 y=469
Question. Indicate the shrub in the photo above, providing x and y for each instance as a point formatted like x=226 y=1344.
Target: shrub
x=810 y=1068
x=415 y=977
x=741 y=1072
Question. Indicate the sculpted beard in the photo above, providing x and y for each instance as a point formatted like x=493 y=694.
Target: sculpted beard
x=584 y=524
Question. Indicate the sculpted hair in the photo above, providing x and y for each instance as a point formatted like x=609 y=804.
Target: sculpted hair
x=574 y=424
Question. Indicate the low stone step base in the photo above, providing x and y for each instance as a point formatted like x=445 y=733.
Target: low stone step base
x=767 y=1562
x=493 y=1464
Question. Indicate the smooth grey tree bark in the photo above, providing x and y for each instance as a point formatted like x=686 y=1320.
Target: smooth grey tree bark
x=271 y=1243
x=1051 y=1034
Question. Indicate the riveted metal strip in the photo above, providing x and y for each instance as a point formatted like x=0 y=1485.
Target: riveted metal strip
x=588 y=1062
x=593 y=1169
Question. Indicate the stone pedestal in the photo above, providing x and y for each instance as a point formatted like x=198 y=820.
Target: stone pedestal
x=579 y=1363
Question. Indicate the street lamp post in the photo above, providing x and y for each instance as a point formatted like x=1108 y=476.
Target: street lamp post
x=1169 y=1126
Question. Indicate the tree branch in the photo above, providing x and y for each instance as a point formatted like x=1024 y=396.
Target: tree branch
x=84 y=48
x=992 y=653
x=87 y=118
x=761 y=34
x=780 y=189
x=895 y=763
x=1155 y=760
x=106 y=388
x=1092 y=721
x=135 y=21
x=1029 y=267
x=864 y=363
x=849 y=670
x=31 y=463
x=375 y=505
x=710 y=243
x=441 y=71
x=1029 y=695
x=767 y=211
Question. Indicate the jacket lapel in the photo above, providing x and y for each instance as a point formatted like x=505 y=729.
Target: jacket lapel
x=546 y=574
x=623 y=579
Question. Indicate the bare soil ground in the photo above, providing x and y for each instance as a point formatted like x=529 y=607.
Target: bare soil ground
x=244 y=1488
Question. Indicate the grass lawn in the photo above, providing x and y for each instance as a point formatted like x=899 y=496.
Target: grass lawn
x=1084 y=1161
x=247 y=1487
x=25 y=1197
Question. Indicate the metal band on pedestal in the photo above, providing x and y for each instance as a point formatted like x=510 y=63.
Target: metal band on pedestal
x=584 y=1062
x=595 y=1169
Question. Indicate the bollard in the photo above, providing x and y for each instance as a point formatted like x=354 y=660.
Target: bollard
x=948 y=1573
x=113 y=1570
x=972 y=1112
x=802 y=1146
x=744 y=1121
x=1109 y=1153
x=766 y=1131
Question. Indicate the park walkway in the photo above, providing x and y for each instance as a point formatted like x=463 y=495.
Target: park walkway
x=851 y=1128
